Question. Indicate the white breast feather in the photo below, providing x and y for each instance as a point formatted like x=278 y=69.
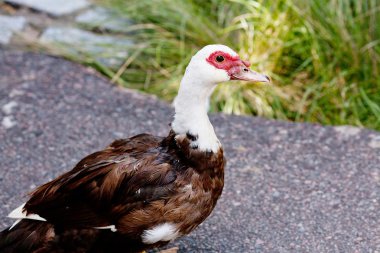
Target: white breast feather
x=163 y=232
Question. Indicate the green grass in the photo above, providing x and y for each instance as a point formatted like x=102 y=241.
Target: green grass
x=323 y=56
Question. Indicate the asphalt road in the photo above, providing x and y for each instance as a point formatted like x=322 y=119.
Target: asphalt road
x=289 y=187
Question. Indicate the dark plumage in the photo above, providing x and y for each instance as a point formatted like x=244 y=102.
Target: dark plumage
x=138 y=193
x=133 y=184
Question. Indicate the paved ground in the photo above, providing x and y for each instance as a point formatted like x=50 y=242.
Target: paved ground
x=289 y=187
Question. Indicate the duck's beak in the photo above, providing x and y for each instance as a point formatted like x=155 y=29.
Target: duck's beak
x=246 y=74
x=241 y=71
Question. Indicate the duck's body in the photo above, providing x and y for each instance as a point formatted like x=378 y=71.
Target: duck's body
x=141 y=192
x=134 y=187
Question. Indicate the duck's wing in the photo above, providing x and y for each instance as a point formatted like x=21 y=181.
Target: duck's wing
x=106 y=185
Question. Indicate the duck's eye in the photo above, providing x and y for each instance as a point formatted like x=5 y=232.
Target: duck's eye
x=219 y=58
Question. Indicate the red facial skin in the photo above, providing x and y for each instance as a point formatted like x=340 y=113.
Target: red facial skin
x=232 y=64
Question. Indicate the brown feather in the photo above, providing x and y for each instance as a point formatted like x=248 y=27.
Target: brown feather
x=134 y=184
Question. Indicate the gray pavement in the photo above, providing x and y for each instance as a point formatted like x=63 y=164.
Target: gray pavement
x=290 y=187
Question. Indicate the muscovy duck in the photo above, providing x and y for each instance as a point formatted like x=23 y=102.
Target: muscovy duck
x=141 y=192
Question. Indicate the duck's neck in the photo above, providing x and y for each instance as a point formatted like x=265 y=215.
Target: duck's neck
x=191 y=106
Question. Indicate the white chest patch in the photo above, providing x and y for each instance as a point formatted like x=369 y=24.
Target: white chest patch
x=163 y=232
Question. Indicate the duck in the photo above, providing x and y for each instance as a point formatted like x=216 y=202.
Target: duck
x=141 y=192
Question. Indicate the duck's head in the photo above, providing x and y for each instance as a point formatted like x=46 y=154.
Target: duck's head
x=211 y=65
x=218 y=63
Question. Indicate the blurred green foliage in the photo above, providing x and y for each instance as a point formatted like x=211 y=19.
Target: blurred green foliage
x=323 y=55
